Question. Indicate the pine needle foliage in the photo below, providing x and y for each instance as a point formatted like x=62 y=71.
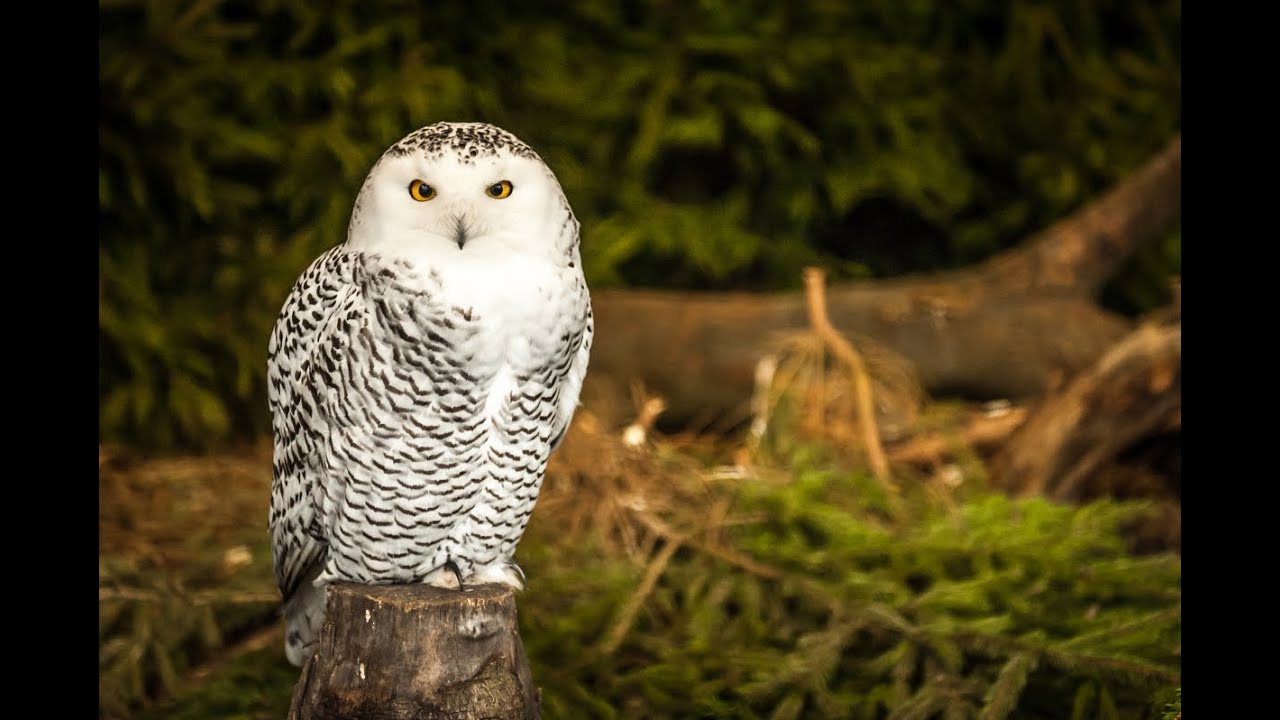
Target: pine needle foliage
x=702 y=145
x=1173 y=711
x=662 y=588
x=998 y=608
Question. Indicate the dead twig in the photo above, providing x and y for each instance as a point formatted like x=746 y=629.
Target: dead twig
x=626 y=618
x=816 y=300
x=733 y=557
x=983 y=431
x=267 y=636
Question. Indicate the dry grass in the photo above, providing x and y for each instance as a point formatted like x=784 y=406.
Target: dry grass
x=165 y=513
x=183 y=568
x=598 y=484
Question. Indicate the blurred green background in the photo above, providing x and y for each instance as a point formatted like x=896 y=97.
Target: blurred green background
x=702 y=144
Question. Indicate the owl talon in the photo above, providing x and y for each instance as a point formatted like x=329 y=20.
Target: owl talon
x=446 y=576
x=503 y=573
x=457 y=574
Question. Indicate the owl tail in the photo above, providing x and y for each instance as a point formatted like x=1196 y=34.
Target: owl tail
x=304 y=614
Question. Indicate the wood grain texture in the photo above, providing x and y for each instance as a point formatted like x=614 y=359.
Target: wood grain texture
x=413 y=651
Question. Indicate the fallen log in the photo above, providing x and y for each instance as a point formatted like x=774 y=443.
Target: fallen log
x=1004 y=328
x=699 y=353
x=1134 y=391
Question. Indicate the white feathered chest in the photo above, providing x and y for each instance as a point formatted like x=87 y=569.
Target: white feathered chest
x=439 y=410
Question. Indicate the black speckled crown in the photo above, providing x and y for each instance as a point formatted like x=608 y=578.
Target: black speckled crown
x=467 y=140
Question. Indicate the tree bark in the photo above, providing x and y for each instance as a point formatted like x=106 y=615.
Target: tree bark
x=412 y=651
x=1132 y=392
x=1078 y=255
x=700 y=352
x=1006 y=328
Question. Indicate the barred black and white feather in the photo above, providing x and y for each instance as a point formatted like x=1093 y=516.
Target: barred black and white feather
x=421 y=373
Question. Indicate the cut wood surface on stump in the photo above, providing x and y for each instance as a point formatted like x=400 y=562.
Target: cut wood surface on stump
x=396 y=652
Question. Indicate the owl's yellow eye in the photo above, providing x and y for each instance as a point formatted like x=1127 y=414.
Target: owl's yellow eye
x=421 y=191
x=499 y=190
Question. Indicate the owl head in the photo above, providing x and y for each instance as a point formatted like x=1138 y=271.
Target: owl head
x=462 y=188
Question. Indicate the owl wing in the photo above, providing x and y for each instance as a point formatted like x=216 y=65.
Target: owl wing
x=575 y=373
x=297 y=341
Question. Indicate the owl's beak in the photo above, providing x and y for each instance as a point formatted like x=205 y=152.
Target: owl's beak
x=461 y=228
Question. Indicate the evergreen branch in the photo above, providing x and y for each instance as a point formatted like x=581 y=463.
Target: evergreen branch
x=1173 y=711
x=813 y=661
x=1131 y=668
x=1002 y=696
x=923 y=705
x=626 y=617
x=904 y=669
x=890 y=618
x=1116 y=631
x=1128 y=667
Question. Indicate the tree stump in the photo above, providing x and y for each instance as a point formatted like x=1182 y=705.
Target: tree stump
x=395 y=652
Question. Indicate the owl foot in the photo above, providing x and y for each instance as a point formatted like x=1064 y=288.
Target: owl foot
x=501 y=573
x=446 y=576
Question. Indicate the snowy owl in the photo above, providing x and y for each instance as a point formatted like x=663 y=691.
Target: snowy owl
x=421 y=373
